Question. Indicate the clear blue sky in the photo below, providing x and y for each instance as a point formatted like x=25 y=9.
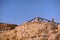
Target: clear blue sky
x=20 y=11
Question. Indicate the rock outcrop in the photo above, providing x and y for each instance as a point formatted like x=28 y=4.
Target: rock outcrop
x=36 y=30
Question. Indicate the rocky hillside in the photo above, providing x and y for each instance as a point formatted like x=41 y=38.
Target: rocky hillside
x=36 y=30
x=6 y=26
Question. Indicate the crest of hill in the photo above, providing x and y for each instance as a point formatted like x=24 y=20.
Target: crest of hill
x=36 y=29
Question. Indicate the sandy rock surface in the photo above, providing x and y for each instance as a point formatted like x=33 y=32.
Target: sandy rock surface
x=33 y=31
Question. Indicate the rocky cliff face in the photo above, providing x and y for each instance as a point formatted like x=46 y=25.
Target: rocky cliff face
x=35 y=30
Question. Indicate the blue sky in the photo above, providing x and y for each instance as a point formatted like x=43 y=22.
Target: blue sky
x=20 y=11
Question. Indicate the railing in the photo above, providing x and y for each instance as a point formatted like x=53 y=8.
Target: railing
x=42 y=19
